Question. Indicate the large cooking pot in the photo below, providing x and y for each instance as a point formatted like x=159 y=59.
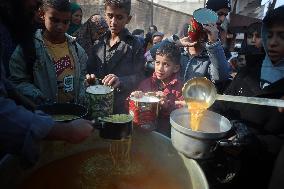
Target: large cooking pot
x=100 y=100
x=157 y=148
x=199 y=144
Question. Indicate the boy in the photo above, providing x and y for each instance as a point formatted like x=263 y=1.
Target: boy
x=58 y=68
x=117 y=57
x=259 y=79
x=22 y=130
x=165 y=83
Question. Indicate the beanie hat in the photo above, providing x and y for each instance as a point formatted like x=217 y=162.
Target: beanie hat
x=216 y=5
x=74 y=7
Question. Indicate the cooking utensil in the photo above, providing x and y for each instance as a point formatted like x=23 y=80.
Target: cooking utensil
x=113 y=130
x=205 y=16
x=199 y=144
x=100 y=99
x=76 y=110
x=154 y=146
x=202 y=89
x=144 y=111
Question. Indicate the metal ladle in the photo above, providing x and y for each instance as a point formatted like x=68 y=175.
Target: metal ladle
x=202 y=89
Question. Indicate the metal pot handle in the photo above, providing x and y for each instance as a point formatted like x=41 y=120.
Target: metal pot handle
x=98 y=124
x=232 y=141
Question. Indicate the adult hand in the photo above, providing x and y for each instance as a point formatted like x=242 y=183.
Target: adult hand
x=212 y=32
x=111 y=80
x=74 y=131
x=90 y=79
x=185 y=42
x=79 y=130
x=281 y=110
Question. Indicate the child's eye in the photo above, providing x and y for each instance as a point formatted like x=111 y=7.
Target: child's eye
x=110 y=16
x=119 y=17
x=281 y=35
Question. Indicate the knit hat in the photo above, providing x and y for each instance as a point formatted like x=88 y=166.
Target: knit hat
x=74 y=7
x=216 y=5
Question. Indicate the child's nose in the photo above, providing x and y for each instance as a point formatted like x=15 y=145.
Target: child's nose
x=60 y=26
x=114 y=20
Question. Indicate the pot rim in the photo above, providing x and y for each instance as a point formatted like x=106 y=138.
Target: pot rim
x=199 y=134
x=111 y=90
x=55 y=104
x=122 y=122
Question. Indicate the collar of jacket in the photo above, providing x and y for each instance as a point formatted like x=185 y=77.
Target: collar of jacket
x=203 y=54
x=124 y=35
x=172 y=81
x=39 y=36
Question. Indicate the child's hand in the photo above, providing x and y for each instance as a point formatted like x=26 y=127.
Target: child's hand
x=162 y=97
x=185 y=42
x=90 y=79
x=111 y=80
x=137 y=94
x=212 y=32
x=160 y=94
x=180 y=103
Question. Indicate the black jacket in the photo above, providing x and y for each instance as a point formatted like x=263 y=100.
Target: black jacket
x=266 y=123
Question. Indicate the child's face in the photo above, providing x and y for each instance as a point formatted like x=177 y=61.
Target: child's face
x=275 y=42
x=56 y=22
x=77 y=17
x=165 y=68
x=157 y=39
x=254 y=39
x=116 y=19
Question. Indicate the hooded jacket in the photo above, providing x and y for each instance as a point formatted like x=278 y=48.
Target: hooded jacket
x=45 y=82
x=265 y=122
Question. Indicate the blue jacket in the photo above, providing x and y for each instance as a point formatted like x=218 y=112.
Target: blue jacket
x=211 y=63
x=20 y=129
x=44 y=82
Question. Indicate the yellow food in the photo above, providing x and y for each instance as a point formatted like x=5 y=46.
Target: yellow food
x=196 y=109
x=94 y=170
x=64 y=117
x=117 y=118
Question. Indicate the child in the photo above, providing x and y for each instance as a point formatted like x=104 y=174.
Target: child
x=59 y=65
x=76 y=18
x=165 y=83
x=117 y=57
x=263 y=138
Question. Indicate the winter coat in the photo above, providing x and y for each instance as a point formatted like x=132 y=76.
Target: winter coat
x=127 y=63
x=44 y=83
x=265 y=123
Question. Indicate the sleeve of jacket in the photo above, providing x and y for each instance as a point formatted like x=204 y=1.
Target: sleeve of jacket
x=131 y=82
x=218 y=69
x=19 y=76
x=21 y=130
x=83 y=58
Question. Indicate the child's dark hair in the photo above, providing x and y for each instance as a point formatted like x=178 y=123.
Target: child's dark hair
x=171 y=51
x=122 y=4
x=59 y=5
x=254 y=27
x=275 y=16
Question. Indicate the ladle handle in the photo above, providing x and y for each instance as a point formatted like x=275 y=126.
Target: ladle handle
x=252 y=100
